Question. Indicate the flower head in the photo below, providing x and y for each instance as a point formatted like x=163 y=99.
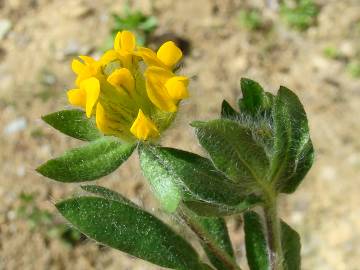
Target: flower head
x=132 y=92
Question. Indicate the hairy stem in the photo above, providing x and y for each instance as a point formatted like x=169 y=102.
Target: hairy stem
x=274 y=234
x=190 y=219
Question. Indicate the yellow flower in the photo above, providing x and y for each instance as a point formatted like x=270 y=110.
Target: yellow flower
x=124 y=50
x=165 y=89
x=125 y=42
x=143 y=127
x=85 y=69
x=86 y=96
x=126 y=100
x=166 y=57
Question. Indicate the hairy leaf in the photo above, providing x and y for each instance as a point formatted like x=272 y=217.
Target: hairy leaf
x=107 y=194
x=89 y=162
x=73 y=123
x=290 y=241
x=255 y=241
x=216 y=228
x=213 y=236
x=193 y=174
x=131 y=230
x=293 y=152
x=206 y=267
x=202 y=208
x=227 y=111
x=234 y=151
x=254 y=100
x=165 y=189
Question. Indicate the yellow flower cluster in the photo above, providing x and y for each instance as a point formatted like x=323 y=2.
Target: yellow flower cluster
x=132 y=91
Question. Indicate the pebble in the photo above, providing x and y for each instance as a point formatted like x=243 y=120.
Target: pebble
x=14 y=4
x=15 y=126
x=71 y=49
x=20 y=171
x=196 y=54
x=348 y=49
x=11 y=215
x=240 y=63
x=273 y=4
x=297 y=217
x=328 y=173
x=79 y=9
x=354 y=159
x=6 y=81
x=48 y=78
x=5 y=26
x=44 y=150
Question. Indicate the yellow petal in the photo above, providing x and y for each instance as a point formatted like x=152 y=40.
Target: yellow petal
x=125 y=40
x=143 y=128
x=149 y=57
x=169 y=54
x=92 y=89
x=159 y=74
x=77 y=66
x=117 y=41
x=108 y=57
x=177 y=87
x=87 y=59
x=77 y=97
x=78 y=80
x=101 y=120
x=122 y=78
x=128 y=41
x=155 y=86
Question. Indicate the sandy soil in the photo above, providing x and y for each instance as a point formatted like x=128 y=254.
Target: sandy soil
x=34 y=72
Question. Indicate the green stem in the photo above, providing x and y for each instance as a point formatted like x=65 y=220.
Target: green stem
x=191 y=220
x=274 y=234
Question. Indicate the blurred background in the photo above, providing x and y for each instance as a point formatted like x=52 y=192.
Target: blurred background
x=310 y=46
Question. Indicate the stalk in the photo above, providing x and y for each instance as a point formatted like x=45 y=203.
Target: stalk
x=274 y=234
x=190 y=219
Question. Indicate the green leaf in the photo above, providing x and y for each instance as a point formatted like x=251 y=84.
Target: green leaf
x=227 y=111
x=107 y=194
x=191 y=174
x=149 y=24
x=254 y=98
x=206 y=267
x=89 y=162
x=291 y=246
x=293 y=152
x=235 y=152
x=255 y=242
x=213 y=236
x=206 y=209
x=165 y=189
x=304 y=163
x=73 y=123
x=217 y=230
x=131 y=230
x=301 y=15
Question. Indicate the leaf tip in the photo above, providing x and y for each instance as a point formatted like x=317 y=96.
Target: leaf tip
x=60 y=206
x=85 y=187
x=197 y=124
x=284 y=89
x=245 y=80
x=41 y=169
x=47 y=119
x=63 y=207
x=224 y=103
